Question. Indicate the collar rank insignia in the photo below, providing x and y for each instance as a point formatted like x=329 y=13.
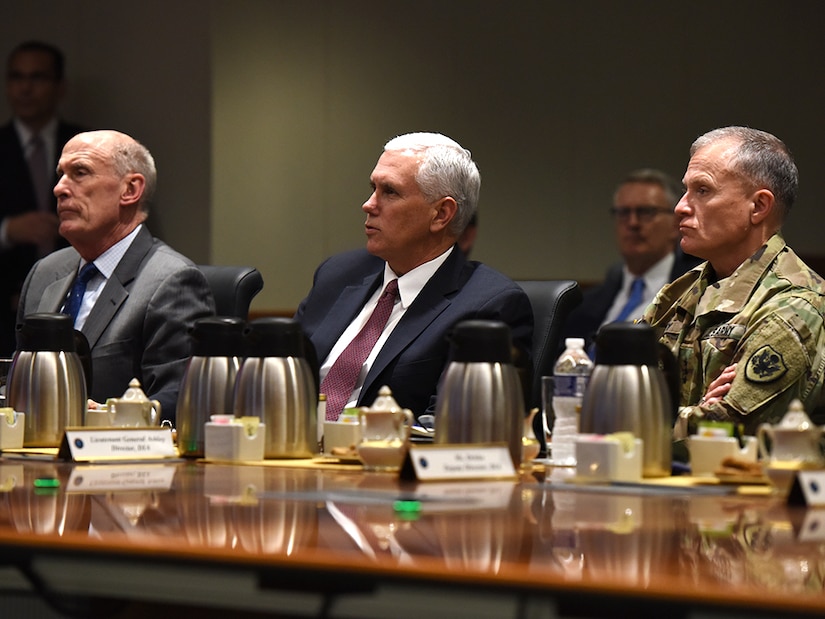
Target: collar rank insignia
x=765 y=365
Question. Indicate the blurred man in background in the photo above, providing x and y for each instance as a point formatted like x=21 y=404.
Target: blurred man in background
x=30 y=144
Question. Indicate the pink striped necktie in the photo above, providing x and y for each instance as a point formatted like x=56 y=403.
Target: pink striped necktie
x=39 y=169
x=340 y=381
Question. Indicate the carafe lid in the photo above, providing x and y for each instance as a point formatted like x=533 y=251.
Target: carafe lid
x=218 y=336
x=481 y=341
x=274 y=337
x=626 y=343
x=46 y=332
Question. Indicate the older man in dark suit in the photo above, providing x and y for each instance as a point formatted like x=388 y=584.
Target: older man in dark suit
x=30 y=144
x=425 y=190
x=139 y=296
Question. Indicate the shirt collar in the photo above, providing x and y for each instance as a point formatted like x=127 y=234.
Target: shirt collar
x=412 y=283
x=107 y=262
x=655 y=277
x=48 y=132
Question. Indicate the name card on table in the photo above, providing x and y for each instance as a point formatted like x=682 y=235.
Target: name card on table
x=114 y=444
x=808 y=488
x=453 y=462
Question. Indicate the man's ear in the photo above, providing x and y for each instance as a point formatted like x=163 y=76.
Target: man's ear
x=764 y=205
x=445 y=210
x=133 y=189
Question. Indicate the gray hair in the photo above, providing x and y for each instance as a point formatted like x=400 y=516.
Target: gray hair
x=760 y=157
x=445 y=168
x=130 y=156
x=673 y=189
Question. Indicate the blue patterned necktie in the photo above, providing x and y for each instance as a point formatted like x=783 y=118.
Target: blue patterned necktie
x=637 y=291
x=75 y=298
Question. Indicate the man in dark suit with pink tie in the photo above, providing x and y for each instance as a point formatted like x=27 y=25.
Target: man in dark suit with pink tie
x=425 y=191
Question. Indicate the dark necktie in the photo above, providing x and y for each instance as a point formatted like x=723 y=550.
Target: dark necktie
x=342 y=376
x=38 y=168
x=637 y=291
x=75 y=298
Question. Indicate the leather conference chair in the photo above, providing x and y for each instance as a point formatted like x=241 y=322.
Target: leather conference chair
x=233 y=287
x=552 y=302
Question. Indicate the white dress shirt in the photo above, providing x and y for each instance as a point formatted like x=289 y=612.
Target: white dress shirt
x=106 y=264
x=655 y=278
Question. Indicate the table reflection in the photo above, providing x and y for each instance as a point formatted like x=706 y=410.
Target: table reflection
x=537 y=530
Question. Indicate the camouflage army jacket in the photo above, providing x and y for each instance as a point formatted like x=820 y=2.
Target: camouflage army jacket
x=767 y=317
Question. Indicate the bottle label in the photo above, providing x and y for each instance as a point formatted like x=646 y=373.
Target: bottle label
x=570 y=385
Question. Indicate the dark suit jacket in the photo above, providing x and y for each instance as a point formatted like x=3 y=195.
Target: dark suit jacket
x=16 y=197
x=417 y=350
x=139 y=325
x=585 y=320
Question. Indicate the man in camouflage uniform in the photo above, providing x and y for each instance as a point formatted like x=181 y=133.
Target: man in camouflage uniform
x=747 y=325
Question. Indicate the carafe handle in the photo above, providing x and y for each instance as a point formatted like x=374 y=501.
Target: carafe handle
x=669 y=367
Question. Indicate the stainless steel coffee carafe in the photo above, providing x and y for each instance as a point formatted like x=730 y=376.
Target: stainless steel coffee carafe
x=480 y=397
x=628 y=392
x=208 y=385
x=47 y=380
x=277 y=384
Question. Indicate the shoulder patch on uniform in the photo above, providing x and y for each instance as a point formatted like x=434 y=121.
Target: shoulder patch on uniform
x=765 y=365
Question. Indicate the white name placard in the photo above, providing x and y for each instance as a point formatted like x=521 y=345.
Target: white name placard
x=451 y=462
x=808 y=489
x=113 y=444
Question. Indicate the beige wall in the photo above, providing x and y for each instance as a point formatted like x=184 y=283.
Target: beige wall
x=557 y=100
x=266 y=116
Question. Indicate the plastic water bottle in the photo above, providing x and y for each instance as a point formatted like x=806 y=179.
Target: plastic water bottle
x=570 y=374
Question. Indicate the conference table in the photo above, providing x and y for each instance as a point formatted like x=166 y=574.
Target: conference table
x=324 y=538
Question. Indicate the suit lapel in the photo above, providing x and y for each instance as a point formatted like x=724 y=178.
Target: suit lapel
x=345 y=308
x=55 y=293
x=433 y=299
x=115 y=292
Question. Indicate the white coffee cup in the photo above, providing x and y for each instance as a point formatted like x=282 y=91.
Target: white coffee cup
x=707 y=452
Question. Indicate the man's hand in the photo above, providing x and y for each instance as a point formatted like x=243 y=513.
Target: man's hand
x=34 y=228
x=719 y=386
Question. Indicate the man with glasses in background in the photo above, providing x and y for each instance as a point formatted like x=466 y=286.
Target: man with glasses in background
x=647 y=236
x=30 y=144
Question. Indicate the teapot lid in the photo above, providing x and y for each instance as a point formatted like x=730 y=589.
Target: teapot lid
x=218 y=336
x=134 y=393
x=481 y=341
x=626 y=343
x=796 y=418
x=46 y=332
x=274 y=337
x=384 y=401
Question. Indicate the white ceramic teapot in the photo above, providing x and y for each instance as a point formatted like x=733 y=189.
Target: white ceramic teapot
x=134 y=409
x=385 y=433
x=794 y=439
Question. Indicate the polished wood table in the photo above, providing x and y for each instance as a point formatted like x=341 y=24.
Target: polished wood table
x=307 y=539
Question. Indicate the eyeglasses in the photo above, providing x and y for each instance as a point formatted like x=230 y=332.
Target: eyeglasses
x=38 y=77
x=644 y=214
